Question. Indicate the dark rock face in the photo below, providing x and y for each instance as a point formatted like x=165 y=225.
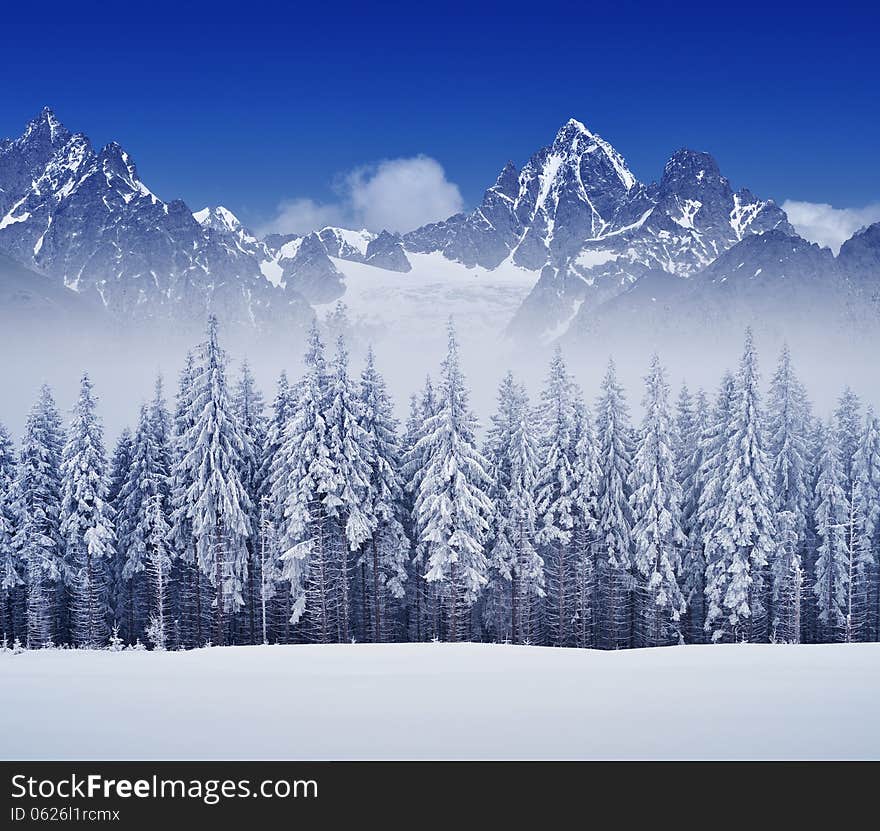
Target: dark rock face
x=386 y=251
x=311 y=273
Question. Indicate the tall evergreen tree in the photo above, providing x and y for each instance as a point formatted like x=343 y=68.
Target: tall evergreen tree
x=193 y=595
x=516 y=569
x=833 y=573
x=38 y=533
x=587 y=474
x=216 y=502
x=698 y=425
x=11 y=571
x=788 y=420
x=145 y=489
x=656 y=506
x=350 y=502
x=304 y=485
x=249 y=410
x=866 y=514
x=423 y=600
x=87 y=521
x=451 y=504
x=385 y=558
x=274 y=589
x=741 y=540
x=556 y=501
x=615 y=515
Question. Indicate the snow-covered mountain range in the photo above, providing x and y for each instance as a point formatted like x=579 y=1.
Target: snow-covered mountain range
x=568 y=246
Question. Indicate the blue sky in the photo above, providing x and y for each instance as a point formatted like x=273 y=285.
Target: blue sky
x=274 y=102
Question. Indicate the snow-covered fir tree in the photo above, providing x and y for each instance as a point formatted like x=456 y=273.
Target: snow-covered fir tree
x=788 y=418
x=87 y=521
x=556 y=501
x=350 y=502
x=615 y=515
x=451 y=504
x=145 y=488
x=274 y=589
x=423 y=600
x=587 y=474
x=833 y=561
x=191 y=585
x=385 y=556
x=249 y=410
x=11 y=571
x=158 y=557
x=216 y=502
x=38 y=538
x=304 y=486
x=120 y=462
x=693 y=428
x=741 y=541
x=657 y=536
x=866 y=513
x=516 y=575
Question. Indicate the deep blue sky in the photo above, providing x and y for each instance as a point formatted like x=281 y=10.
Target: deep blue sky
x=271 y=101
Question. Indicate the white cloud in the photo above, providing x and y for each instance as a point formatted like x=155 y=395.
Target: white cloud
x=299 y=216
x=393 y=195
x=826 y=225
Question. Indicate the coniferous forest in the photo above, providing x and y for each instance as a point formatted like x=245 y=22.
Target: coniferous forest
x=726 y=515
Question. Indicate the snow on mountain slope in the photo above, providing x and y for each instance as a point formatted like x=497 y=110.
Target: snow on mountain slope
x=444 y=701
x=416 y=304
x=83 y=216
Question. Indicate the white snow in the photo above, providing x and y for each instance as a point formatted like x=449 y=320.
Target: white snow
x=589 y=258
x=420 y=301
x=443 y=701
x=359 y=240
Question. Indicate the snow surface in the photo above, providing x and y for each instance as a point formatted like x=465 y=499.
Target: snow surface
x=443 y=701
x=423 y=299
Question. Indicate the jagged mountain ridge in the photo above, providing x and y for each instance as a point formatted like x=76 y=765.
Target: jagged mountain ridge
x=574 y=220
x=85 y=217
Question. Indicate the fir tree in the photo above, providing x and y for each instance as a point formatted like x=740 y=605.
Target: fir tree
x=86 y=521
x=556 y=500
x=516 y=569
x=832 y=586
x=787 y=424
x=866 y=512
x=386 y=561
x=249 y=406
x=120 y=463
x=741 y=541
x=275 y=590
x=451 y=504
x=216 y=502
x=304 y=483
x=656 y=506
x=350 y=501
x=425 y=618
x=690 y=471
x=587 y=474
x=144 y=490
x=11 y=571
x=38 y=511
x=614 y=514
x=158 y=558
x=193 y=595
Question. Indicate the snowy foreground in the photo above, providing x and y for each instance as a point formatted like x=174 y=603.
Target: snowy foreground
x=442 y=701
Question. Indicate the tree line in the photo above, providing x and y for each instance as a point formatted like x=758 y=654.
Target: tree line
x=322 y=519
